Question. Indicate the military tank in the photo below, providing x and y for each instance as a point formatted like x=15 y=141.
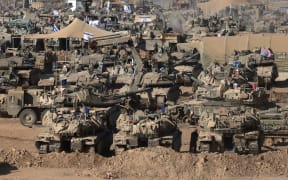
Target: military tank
x=185 y=65
x=261 y=61
x=164 y=90
x=145 y=130
x=274 y=124
x=18 y=71
x=79 y=131
x=233 y=83
x=229 y=129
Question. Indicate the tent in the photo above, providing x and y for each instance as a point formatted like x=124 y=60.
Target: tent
x=74 y=30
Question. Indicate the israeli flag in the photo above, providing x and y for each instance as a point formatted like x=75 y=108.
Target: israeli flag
x=55 y=28
x=87 y=36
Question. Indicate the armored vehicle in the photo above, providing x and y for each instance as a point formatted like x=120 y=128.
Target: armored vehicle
x=232 y=83
x=19 y=70
x=79 y=131
x=262 y=61
x=145 y=130
x=229 y=129
x=93 y=97
x=274 y=124
x=164 y=90
x=186 y=65
x=25 y=104
x=17 y=24
x=90 y=96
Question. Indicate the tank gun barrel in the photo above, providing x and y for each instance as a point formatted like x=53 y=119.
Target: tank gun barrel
x=188 y=60
x=131 y=93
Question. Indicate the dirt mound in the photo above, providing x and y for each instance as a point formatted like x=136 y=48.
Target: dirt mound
x=156 y=163
x=23 y=158
x=18 y=158
x=164 y=163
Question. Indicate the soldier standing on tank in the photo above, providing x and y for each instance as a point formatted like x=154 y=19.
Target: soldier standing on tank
x=193 y=142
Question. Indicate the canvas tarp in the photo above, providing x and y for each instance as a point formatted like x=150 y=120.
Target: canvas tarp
x=221 y=48
x=75 y=30
x=214 y=6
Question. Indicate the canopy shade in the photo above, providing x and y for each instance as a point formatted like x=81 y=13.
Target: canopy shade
x=74 y=30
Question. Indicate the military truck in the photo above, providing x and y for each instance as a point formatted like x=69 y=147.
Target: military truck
x=26 y=104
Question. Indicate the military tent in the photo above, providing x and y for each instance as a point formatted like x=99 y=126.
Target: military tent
x=75 y=30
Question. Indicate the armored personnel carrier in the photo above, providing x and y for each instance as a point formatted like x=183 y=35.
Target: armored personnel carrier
x=18 y=71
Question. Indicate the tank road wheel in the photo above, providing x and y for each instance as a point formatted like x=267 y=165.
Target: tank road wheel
x=268 y=142
x=28 y=117
x=254 y=147
x=204 y=147
x=89 y=149
x=43 y=148
x=119 y=149
x=46 y=118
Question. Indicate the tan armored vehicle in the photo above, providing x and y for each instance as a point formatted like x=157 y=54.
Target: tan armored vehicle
x=262 y=61
x=229 y=129
x=141 y=130
x=79 y=132
x=163 y=89
x=274 y=124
